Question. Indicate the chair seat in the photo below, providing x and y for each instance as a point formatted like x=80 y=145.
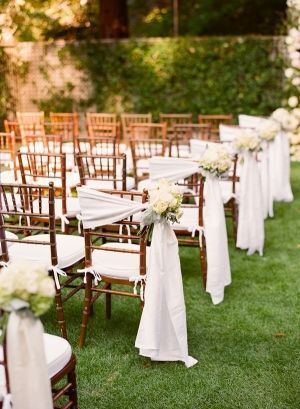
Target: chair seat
x=9 y=235
x=70 y=249
x=72 y=180
x=8 y=176
x=73 y=207
x=182 y=150
x=58 y=353
x=226 y=190
x=117 y=265
x=188 y=220
x=108 y=184
x=10 y=202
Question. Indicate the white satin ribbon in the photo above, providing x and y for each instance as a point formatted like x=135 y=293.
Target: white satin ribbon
x=90 y=270
x=139 y=279
x=57 y=272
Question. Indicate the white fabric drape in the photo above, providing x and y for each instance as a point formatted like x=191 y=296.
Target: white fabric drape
x=173 y=169
x=218 y=264
x=228 y=133
x=28 y=374
x=162 y=334
x=266 y=174
x=250 y=233
x=98 y=208
x=250 y=121
x=279 y=156
x=199 y=146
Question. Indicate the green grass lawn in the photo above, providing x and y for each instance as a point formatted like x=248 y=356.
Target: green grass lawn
x=248 y=347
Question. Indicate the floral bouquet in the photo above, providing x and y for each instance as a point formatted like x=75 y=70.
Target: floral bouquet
x=26 y=286
x=248 y=141
x=216 y=161
x=287 y=120
x=268 y=129
x=165 y=199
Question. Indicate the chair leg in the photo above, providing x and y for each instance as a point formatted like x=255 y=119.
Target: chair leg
x=108 y=303
x=73 y=391
x=86 y=309
x=60 y=315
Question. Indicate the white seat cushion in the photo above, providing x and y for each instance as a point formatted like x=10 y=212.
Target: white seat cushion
x=70 y=249
x=58 y=354
x=72 y=180
x=115 y=264
x=108 y=184
x=8 y=176
x=73 y=207
x=9 y=235
x=10 y=203
x=188 y=220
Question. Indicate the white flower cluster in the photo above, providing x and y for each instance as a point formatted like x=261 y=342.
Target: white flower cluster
x=288 y=121
x=216 y=160
x=268 y=129
x=247 y=140
x=28 y=283
x=165 y=199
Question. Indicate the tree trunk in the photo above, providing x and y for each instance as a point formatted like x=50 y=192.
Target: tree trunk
x=113 y=19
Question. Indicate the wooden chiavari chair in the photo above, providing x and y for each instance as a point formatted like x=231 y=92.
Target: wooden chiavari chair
x=42 y=168
x=182 y=134
x=61 y=365
x=175 y=119
x=104 y=171
x=13 y=126
x=31 y=123
x=67 y=125
x=8 y=156
x=103 y=125
x=128 y=119
x=59 y=253
x=117 y=262
x=215 y=121
x=106 y=136
x=146 y=140
x=100 y=118
x=190 y=229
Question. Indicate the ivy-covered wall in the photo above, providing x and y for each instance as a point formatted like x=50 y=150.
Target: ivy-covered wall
x=208 y=75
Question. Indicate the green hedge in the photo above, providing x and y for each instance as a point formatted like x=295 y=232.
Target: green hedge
x=207 y=75
x=4 y=94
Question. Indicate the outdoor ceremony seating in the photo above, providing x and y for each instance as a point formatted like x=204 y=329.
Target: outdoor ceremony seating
x=129 y=119
x=104 y=171
x=215 y=121
x=33 y=213
x=8 y=156
x=111 y=256
x=13 y=126
x=61 y=366
x=174 y=119
x=31 y=123
x=179 y=141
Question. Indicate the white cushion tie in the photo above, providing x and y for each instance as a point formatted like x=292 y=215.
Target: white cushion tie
x=90 y=270
x=79 y=218
x=201 y=231
x=139 y=279
x=56 y=272
x=64 y=220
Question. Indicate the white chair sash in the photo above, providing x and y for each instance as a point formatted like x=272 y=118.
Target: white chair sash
x=250 y=121
x=218 y=264
x=173 y=169
x=28 y=374
x=199 y=146
x=250 y=233
x=162 y=334
x=279 y=156
x=228 y=133
x=98 y=208
x=266 y=174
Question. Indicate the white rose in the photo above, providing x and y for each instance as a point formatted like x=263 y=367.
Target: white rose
x=289 y=72
x=293 y=101
x=46 y=287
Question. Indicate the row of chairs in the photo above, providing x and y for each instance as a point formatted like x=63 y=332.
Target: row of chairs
x=105 y=124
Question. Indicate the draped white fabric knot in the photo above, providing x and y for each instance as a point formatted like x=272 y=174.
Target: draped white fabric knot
x=250 y=234
x=218 y=264
x=57 y=272
x=28 y=374
x=172 y=169
x=93 y=272
x=162 y=333
x=142 y=280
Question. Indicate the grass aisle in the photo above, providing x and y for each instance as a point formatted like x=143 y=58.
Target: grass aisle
x=247 y=347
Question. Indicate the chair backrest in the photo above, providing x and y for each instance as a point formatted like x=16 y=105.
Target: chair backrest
x=215 y=121
x=180 y=140
x=175 y=119
x=129 y=119
x=42 y=168
x=42 y=144
x=64 y=120
x=65 y=130
x=105 y=131
x=112 y=233
x=100 y=118
x=109 y=169
x=24 y=201
x=150 y=131
x=31 y=123
x=8 y=149
x=98 y=146
x=12 y=126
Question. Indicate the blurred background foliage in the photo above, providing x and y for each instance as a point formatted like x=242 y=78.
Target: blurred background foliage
x=33 y=20
x=208 y=75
